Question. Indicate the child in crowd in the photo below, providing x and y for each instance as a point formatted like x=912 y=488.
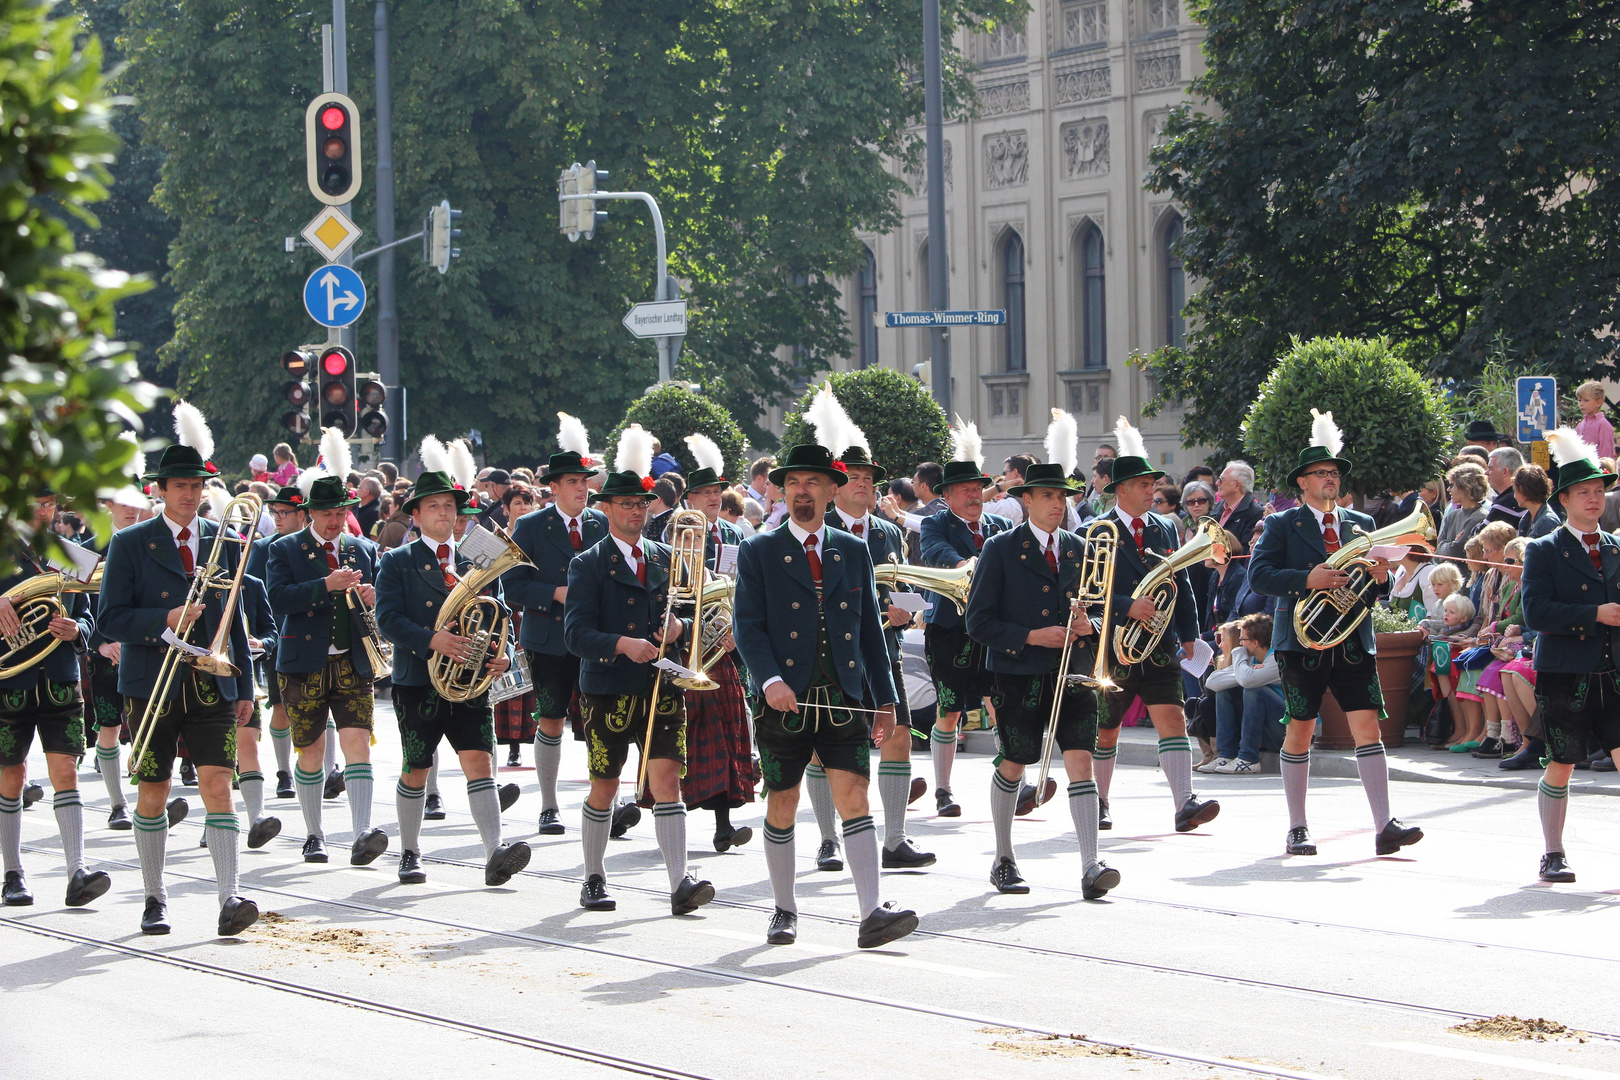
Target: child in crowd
x=1594 y=427
x=1508 y=638
x=1456 y=613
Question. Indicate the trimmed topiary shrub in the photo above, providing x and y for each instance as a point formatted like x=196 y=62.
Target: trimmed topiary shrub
x=673 y=412
x=900 y=418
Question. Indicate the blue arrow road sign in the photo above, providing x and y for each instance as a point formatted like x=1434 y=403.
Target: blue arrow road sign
x=993 y=317
x=334 y=296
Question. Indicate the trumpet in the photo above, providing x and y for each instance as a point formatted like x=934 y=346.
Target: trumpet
x=953 y=583
x=37 y=601
x=484 y=619
x=242 y=512
x=1329 y=616
x=379 y=650
x=687 y=532
x=1135 y=641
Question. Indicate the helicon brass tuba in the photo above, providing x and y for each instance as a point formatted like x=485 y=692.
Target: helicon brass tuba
x=470 y=614
x=1135 y=640
x=1327 y=616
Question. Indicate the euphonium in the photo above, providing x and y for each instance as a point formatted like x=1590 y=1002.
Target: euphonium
x=37 y=601
x=484 y=619
x=954 y=583
x=1327 y=616
x=1135 y=640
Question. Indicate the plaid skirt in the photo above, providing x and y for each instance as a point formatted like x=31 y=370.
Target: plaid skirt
x=720 y=769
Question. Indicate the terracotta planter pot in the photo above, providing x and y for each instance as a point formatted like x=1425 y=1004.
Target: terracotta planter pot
x=1395 y=654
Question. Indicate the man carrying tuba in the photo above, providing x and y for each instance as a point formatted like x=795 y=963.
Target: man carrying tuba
x=149 y=572
x=1290 y=562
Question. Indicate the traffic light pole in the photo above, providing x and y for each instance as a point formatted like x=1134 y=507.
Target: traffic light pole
x=387 y=317
x=939 y=282
x=669 y=348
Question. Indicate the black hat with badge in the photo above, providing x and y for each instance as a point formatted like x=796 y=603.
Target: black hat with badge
x=194 y=445
x=1326 y=442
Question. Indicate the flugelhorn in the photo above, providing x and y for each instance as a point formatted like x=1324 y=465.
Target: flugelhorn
x=379 y=650
x=1328 y=616
x=1134 y=639
x=37 y=601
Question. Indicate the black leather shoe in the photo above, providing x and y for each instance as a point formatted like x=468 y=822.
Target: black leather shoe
x=1604 y=765
x=1490 y=748
x=433 y=808
x=884 y=925
x=367 y=847
x=1027 y=800
x=263 y=831
x=944 y=805
x=508 y=794
x=725 y=840
x=512 y=759
x=784 y=928
x=1098 y=880
x=593 y=895
x=314 y=849
x=1105 y=820
x=178 y=809
x=335 y=784
x=1395 y=836
x=1528 y=757
x=1006 y=878
x=551 y=823
x=1195 y=813
x=31 y=794
x=690 y=895
x=84 y=887
x=625 y=817
x=15 y=892
x=827 y=856
x=506 y=860
x=119 y=820
x=237 y=915
x=284 y=786
x=410 y=869
x=905 y=856
x=919 y=788
x=155 y=919
x=188 y=774
x=1554 y=867
x=1300 y=842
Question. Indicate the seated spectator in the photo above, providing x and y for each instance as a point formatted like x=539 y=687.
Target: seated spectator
x=1410 y=588
x=1248 y=700
x=1229 y=598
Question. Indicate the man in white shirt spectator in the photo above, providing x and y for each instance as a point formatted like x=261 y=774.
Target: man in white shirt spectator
x=997 y=501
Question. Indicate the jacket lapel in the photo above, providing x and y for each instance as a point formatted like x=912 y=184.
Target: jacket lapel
x=832 y=562
x=163 y=548
x=1576 y=552
x=1030 y=545
x=787 y=548
x=1307 y=529
x=427 y=563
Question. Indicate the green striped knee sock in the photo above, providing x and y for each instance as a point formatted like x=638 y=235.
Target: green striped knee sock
x=821 y=801
x=669 y=825
x=11 y=832
x=1003 y=806
x=309 y=799
x=281 y=742
x=408 y=808
x=486 y=811
x=1083 y=809
x=357 y=778
x=861 y=851
x=1553 y=804
x=107 y=765
x=252 y=787
x=779 y=862
x=69 y=808
x=151 y=844
x=1175 y=758
x=942 y=744
x=223 y=832
x=1102 y=768
x=894 y=790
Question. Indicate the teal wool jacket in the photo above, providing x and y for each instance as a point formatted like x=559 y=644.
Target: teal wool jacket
x=1015 y=591
x=543 y=536
x=1562 y=591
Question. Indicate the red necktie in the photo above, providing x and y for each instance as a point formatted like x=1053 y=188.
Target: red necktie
x=858 y=528
x=1136 y=531
x=641 y=565
x=573 y=535
x=1051 y=555
x=1330 y=535
x=813 y=558
x=444 y=566
x=978 y=537
x=716 y=532
x=184 y=540
x=1591 y=541
x=331 y=559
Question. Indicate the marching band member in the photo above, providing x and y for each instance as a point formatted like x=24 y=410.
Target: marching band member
x=551 y=537
x=617 y=593
x=810 y=631
x=1572 y=596
x=147 y=578
x=413 y=582
x=853 y=503
x=1156 y=680
x=43 y=699
x=1289 y=562
x=720 y=773
x=950 y=538
x=262 y=633
x=287 y=511
x=1020 y=608
x=321 y=665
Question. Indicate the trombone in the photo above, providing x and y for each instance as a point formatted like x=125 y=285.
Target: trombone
x=1096 y=585
x=688 y=529
x=244 y=511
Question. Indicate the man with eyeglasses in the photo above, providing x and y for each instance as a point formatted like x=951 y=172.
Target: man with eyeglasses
x=1290 y=562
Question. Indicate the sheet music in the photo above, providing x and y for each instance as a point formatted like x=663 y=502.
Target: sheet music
x=480 y=547
x=1203 y=653
x=670 y=667
x=909 y=601
x=727 y=562
x=80 y=563
x=1393 y=552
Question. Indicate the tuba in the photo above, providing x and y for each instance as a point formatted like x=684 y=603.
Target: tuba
x=37 y=601
x=1327 y=616
x=953 y=583
x=484 y=619
x=1135 y=640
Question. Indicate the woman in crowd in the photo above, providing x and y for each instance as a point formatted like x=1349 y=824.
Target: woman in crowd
x=1469 y=490
x=1507 y=638
x=1532 y=488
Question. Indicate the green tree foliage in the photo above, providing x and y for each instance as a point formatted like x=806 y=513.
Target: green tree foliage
x=1433 y=172
x=900 y=419
x=762 y=128
x=1398 y=428
x=67 y=385
x=672 y=413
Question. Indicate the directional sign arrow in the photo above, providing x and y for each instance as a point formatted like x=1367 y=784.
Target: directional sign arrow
x=334 y=296
x=333 y=301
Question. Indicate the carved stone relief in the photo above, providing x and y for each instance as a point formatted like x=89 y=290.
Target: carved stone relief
x=1085 y=148
x=1006 y=159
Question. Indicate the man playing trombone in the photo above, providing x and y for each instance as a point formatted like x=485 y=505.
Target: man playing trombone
x=1027 y=606
x=150 y=575
x=319 y=578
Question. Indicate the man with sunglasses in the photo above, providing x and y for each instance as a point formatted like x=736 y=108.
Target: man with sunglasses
x=1289 y=563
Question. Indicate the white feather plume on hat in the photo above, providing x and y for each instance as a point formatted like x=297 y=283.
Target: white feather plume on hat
x=1567 y=447
x=706 y=453
x=435 y=458
x=192 y=430
x=571 y=436
x=967 y=444
x=131 y=494
x=307 y=478
x=1129 y=439
x=635 y=452
x=1063 y=441
x=834 y=427
x=463 y=467
x=1324 y=432
x=335 y=454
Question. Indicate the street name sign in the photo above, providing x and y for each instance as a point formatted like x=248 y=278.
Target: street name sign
x=334 y=296
x=657 y=318
x=991 y=317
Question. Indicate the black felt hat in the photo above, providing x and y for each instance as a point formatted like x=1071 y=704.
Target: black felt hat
x=1045 y=475
x=624 y=484
x=960 y=472
x=566 y=463
x=857 y=455
x=809 y=457
x=331 y=493
x=180 y=462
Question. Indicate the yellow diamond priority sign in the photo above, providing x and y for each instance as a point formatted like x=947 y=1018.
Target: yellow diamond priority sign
x=331 y=234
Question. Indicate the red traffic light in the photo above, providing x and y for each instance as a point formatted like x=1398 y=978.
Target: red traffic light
x=333 y=117
x=335 y=362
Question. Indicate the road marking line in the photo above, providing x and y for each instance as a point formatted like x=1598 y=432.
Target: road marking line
x=1575 y=1072
x=895 y=961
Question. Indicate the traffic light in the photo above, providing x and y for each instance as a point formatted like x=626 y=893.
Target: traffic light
x=372 y=395
x=332 y=148
x=335 y=375
x=580 y=217
x=442 y=236
x=298 y=364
